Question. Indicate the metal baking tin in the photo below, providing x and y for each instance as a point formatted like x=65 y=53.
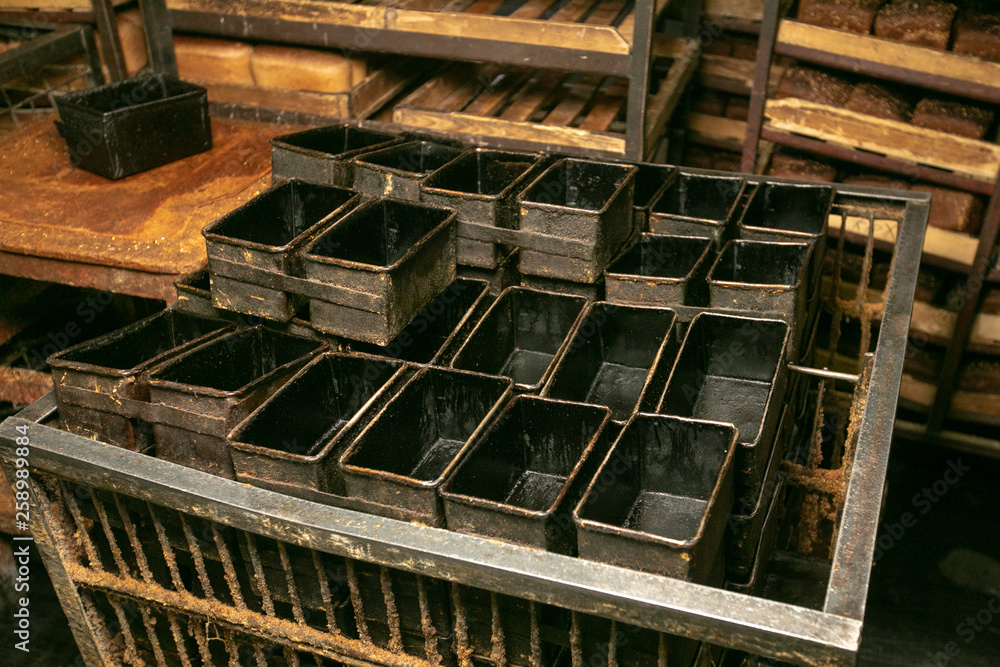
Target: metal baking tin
x=619 y=357
x=325 y=155
x=379 y=266
x=523 y=475
x=661 y=270
x=522 y=336
x=660 y=500
x=414 y=442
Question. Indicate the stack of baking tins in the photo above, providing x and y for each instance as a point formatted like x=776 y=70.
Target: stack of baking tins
x=644 y=430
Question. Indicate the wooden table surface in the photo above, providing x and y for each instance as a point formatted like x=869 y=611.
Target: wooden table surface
x=132 y=236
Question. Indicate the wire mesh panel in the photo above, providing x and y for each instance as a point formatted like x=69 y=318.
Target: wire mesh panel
x=160 y=564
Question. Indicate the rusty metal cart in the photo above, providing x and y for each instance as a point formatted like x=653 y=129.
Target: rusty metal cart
x=156 y=563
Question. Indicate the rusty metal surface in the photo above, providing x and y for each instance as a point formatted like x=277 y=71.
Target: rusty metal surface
x=144 y=226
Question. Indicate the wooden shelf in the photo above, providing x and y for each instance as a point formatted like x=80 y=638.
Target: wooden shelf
x=383 y=83
x=716 y=131
x=731 y=75
x=967 y=406
x=580 y=35
x=953 y=73
x=935 y=324
x=969 y=159
x=542 y=110
x=979 y=444
x=942 y=247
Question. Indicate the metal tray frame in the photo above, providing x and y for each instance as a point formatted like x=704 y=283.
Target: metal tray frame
x=790 y=633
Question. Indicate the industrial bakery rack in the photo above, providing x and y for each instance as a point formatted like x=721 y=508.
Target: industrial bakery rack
x=157 y=563
x=947 y=160
x=600 y=37
x=47 y=63
x=99 y=14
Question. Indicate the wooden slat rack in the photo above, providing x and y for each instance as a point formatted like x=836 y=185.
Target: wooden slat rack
x=600 y=37
x=544 y=109
x=903 y=149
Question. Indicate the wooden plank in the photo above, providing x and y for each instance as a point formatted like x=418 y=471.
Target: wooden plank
x=977 y=159
x=425 y=5
x=932 y=321
x=661 y=107
x=572 y=11
x=532 y=9
x=668 y=47
x=299 y=11
x=511 y=130
x=435 y=91
x=890 y=53
x=736 y=71
x=532 y=96
x=746 y=10
x=605 y=12
x=952 y=246
x=484 y=6
x=383 y=84
x=573 y=102
x=599 y=39
x=627 y=25
x=52 y=4
x=150 y=222
x=334 y=105
x=718 y=128
x=972 y=406
x=607 y=106
x=491 y=100
x=360 y=101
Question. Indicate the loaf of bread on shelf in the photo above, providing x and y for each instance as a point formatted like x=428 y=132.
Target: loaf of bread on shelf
x=213 y=60
x=291 y=68
x=132 y=35
x=853 y=15
x=991 y=301
x=359 y=70
x=698 y=157
x=953 y=209
x=880 y=101
x=922 y=361
x=786 y=165
x=720 y=46
x=920 y=22
x=981 y=375
x=977 y=33
x=813 y=85
x=953 y=117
